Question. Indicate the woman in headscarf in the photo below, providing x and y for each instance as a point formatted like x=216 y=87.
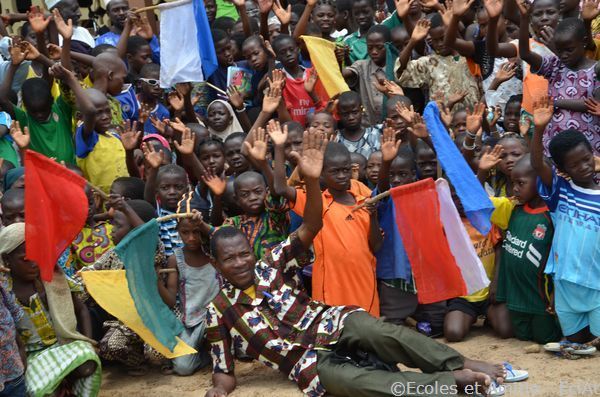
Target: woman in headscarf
x=55 y=349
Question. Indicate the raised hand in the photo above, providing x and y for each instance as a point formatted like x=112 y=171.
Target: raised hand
x=406 y=113
x=496 y=114
x=176 y=124
x=311 y=81
x=283 y=14
x=430 y=4
x=142 y=28
x=235 y=97
x=310 y=163
x=490 y=158
x=523 y=7
x=446 y=12
x=271 y=100
x=506 y=72
x=277 y=134
x=175 y=99
x=421 y=30
x=58 y=71
x=419 y=129
x=593 y=106
x=130 y=138
x=402 y=7
x=65 y=29
x=389 y=144
x=17 y=54
x=457 y=97
x=258 y=149
x=445 y=114
x=37 y=20
x=460 y=7
x=524 y=126
x=265 y=6
x=475 y=118
x=188 y=142
x=589 y=10
x=216 y=184
x=153 y=158
x=388 y=87
x=30 y=50
x=542 y=111
x=277 y=79
x=160 y=125
x=20 y=136
x=184 y=88
x=144 y=112
x=493 y=8
x=54 y=51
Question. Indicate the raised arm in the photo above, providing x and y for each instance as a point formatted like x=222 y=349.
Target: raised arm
x=532 y=58
x=419 y=33
x=240 y=5
x=17 y=55
x=284 y=15
x=496 y=49
x=542 y=113
x=153 y=161
x=279 y=137
x=389 y=151
x=310 y=164
x=122 y=43
x=65 y=29
x=459 y=8
x=257 y=153
x=304 y=18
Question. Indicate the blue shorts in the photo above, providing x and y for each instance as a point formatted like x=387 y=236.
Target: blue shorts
x=577 y=307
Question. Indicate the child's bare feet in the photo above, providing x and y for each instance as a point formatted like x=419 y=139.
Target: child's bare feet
x=472 y=383
x=496 y=372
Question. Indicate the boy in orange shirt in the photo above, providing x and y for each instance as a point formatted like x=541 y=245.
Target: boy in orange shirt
x=344 y=268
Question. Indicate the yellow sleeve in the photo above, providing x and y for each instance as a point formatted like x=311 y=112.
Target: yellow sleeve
x=503 y=208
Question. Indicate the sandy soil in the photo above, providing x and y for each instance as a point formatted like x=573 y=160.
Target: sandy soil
x=549 y=375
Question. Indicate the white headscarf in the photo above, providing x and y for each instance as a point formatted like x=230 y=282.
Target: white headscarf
x=234 y=126
x=11 y=237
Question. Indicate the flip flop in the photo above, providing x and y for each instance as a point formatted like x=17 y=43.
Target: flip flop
x=496 y=390
x=572 y=348
x=514 y=375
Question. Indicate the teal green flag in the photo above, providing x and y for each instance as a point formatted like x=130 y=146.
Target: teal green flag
x=137 y=251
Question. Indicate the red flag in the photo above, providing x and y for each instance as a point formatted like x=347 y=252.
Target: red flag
x=437 y=276
x=56 y=208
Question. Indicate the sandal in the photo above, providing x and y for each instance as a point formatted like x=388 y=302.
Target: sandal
x=514 y=375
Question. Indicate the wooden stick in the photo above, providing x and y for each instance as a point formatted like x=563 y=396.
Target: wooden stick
x=169 y=270
x=162 y=5
x=174 y=216
x=374 y=199
x=99 y=191
x=149 y=8
x=214 y=87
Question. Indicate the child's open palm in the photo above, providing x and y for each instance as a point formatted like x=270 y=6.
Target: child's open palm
x=421 y=30
x=37 y=20
x=593 y=106
x=258 y=149
x=283 y=14
x=542 y=111
x=216 y=184
x=175 y=99
x=311 y=81
x=130 y=138
x=235 y=97
x=406 y=113
x=54 y=51
x=589 y=10
x=310 y=163
x=188 y=142
x=475 y=118
x=271 y=100
x=402 y=7
x=153 y=158
x=30 y=50
x=493 y=7
x=20 y=136
x=506 y=72
x=446 y=12
x=277 y=134
x=460 y=7
x=490 y=158
x=419 y=129
x=64 y=28
x=389 y=144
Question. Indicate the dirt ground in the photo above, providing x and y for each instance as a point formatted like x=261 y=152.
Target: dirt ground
x=549 y=376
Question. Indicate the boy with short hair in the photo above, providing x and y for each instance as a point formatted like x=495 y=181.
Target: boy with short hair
x=238 y=163
x=149 y=97
x=574 y=207
x=355 y=282
x=355 y=137
x=302 y=93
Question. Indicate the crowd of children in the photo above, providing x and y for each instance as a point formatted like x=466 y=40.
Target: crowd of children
x=517 y=85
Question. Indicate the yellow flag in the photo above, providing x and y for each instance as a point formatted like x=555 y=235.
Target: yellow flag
x=322 y=55
x=110 y=290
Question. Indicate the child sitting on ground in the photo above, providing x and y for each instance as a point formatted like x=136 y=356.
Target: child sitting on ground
x=59 y=358
x=196 y=286
x=574 y=205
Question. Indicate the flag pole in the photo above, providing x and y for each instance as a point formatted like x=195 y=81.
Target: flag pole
x=214 y=87
x=373 y=199
x=174 y=216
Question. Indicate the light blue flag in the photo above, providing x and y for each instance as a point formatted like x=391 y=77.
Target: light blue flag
x=137 y=251
x=474 y=199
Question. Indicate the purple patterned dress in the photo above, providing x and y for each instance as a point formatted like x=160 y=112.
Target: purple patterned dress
x=564 y=83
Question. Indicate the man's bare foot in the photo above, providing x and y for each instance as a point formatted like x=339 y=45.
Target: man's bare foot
x=496 y=372
x=472 y=383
